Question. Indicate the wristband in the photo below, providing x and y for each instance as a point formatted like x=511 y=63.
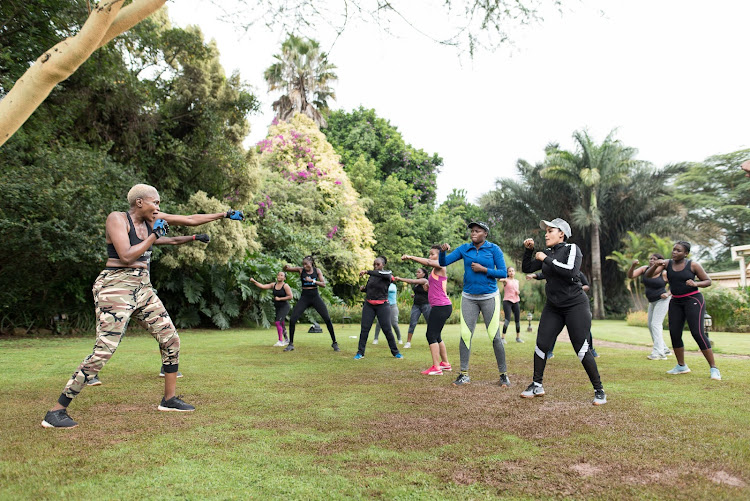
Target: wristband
x=193 y=237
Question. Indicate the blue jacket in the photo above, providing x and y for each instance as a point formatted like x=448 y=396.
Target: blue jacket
x=488 y=255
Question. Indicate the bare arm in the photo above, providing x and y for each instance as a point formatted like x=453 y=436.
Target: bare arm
x=293 y=269
x=174 y=240
x=260 y=285
x=634 y=272
x=657 y=268
x=117 y=230
x=413 y=281
x=704 y=281
x=421 y=260
x=193 y=220
x=320 y=282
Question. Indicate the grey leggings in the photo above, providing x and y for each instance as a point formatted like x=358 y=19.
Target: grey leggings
x=490 y=310
x=416 y=310
x=394 y=322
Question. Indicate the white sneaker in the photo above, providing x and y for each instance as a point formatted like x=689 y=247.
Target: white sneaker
x=504 y=341
x=400 y=341
x=534 y=390
x=656 y=356
x=407 y=345
x=715 y=374
x=279 y=343
x=374 y=341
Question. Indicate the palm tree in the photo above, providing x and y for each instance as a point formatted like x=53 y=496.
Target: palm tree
x=303 y=72
x=593 y=172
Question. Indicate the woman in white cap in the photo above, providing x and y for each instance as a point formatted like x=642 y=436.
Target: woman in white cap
x=567 y=304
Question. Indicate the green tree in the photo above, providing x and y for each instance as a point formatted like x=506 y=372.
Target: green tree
x=717 y=196
x=302 y=71
x=644 y=203
x=593 y=170
x=362 y=133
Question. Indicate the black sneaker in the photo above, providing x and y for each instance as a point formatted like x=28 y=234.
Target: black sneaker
x=593 y=352
x=504 y=381
x=175 y=404
x=93 y=381
x=289 y=347
x=335 y=347
x=58 y=419
x=462 y=379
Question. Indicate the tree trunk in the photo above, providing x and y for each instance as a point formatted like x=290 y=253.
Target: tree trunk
x=105 y=22
x=596 y=272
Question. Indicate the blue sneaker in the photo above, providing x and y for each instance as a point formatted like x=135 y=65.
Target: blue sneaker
x=715 y=374
x=398 y=355
x=679 y=369
x=358 y=356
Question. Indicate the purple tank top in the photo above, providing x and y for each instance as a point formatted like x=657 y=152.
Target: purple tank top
x=437 y=291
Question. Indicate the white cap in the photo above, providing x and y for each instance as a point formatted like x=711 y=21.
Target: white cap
x=559 y=223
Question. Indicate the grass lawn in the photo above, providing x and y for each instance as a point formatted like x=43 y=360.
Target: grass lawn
x=314 y=424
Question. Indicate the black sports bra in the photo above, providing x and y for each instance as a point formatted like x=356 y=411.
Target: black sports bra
x=134 y=240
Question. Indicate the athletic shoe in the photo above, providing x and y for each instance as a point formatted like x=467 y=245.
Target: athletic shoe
x=445 y=366
x=433 y=371
x=289 y=347
x=285 y=342
x=667 y=352
x=599 y=397
x=462 y=379
x=58 y=419
x=656 y=356
x=335 y=347
x=374 y=341
x=519 y=340
x=550 y=355
x=94 y=381
x=679 y=369
x=358 y=356
x=279 y=343
x=400 y=341
x=175 y=404
x=504 y=381
x=504 y=341
x=715 y=374
x=398 y=355
x=161 y=374
x=407 y=345
x=534 y=390
x=593 y=352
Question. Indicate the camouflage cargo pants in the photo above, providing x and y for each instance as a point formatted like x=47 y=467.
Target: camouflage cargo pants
x=118 y=296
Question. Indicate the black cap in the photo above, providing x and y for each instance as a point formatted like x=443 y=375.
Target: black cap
x=480 y=224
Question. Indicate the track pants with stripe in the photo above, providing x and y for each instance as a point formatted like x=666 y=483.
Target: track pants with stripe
x=577 y=319
x=490 y=310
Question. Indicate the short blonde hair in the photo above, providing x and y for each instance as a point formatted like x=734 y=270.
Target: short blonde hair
x=141 y=191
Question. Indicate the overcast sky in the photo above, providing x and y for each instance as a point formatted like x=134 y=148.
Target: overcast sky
x=671 y=76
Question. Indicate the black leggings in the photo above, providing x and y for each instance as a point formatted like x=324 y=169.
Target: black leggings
x=438 y=316
x=690 y=308
x=282 y=310
x=310 y=298
x=383 y=312
x=515 y=308
x=577 y=319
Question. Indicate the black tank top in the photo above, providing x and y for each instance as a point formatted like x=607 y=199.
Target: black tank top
x=677 y=279
x=279 y=293
x=134 y=240
x=655 y=287
x=420 y=295
x=309 y=277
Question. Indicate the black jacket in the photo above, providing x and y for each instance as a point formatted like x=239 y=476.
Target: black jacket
x=561 y=269
x=377 y=284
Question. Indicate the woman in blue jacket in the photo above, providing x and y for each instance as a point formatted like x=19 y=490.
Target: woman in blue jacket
x=483 y=265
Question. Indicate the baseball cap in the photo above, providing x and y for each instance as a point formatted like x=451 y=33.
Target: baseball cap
x=480 y=224
x=559 y=223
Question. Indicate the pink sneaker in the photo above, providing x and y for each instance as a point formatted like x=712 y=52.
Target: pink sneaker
x=433 y=371
x=445 y=366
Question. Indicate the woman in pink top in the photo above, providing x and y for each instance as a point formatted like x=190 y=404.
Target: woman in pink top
x=441 y=309
x=511 y=303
